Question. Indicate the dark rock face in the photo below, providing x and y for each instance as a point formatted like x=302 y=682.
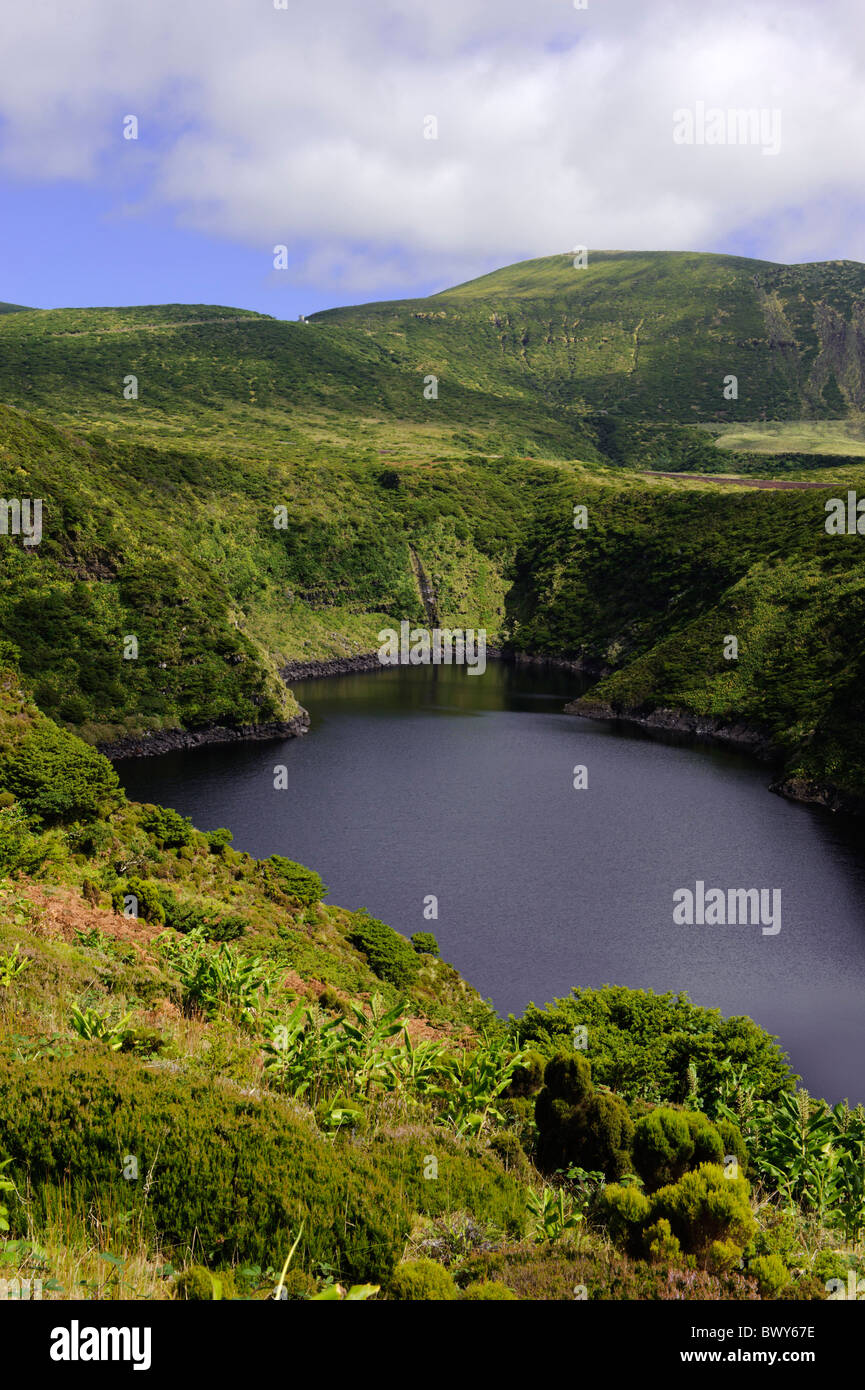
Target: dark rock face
x=697 y=726
x=167 y=740
x=337 y=666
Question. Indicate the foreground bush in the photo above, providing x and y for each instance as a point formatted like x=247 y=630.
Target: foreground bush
x=668 y=1142
x=488 y=1291
x=704 y=1207
x=422 y=1280
x=239 y=1173
x=577 y=1125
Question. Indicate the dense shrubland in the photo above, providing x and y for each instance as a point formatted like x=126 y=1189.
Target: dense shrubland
x=189 y=1092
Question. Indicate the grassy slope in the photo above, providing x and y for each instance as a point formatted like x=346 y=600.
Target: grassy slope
x=645 y=336
x=159 y=511
x=158 y=521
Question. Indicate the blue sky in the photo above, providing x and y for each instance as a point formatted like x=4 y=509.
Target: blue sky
x=261 y=126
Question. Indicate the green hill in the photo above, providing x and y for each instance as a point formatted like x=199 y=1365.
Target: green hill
x=237 y=494
x=643 y=335
x=165 y=441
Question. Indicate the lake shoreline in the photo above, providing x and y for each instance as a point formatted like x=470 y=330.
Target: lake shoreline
x=738 y=735
x=151 y=745
x=725 y=733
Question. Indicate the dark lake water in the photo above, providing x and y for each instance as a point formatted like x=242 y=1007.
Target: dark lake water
x=419 y=781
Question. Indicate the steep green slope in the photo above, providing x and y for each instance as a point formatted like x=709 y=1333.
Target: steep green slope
x=275 y=490
x=643 y=336
x=655 y=585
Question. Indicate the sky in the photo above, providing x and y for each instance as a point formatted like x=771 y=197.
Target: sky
x=397 y=147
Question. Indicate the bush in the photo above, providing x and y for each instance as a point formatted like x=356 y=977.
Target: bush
x=662 y=1247
x=506 y=1146
x=166 y=827
x=663 y=1147
x=201 y=916
x=733 y=1143
x=705 y=1206
x=607 y=1135
x=708 y=1146
x=389 y=955
x=771 y=1274
x=58 y=778
x=528 y=1078
x=284 y=878
x=425 y=943
x=198 y=1285
x=644 y=1043
x=830 y=1264
x=624 y=1211
x=237 y=1173
x=488 y=1290
x=577 y=1126
x=723 y=1255
x=19 y=848
x=148 y=899
x=422 y=1280
x=218 y=840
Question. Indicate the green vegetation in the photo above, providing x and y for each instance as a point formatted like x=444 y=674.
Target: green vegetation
x=216 y=1085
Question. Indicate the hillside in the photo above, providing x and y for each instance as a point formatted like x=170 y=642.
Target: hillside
x=638 y=345
x=270 y=497
x=643 y=335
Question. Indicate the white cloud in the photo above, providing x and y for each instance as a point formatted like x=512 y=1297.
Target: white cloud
x=305 y=126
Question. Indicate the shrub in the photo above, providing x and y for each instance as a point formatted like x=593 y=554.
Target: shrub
x=198 y=1285
x=705 y=1206
x=662 y=1247
x=240 y=1173
x=19 y=848
x=218 y=840
x=708 y=1146
x=663 y=1147
x=422 y=1280
x=201 y=916
x=506 y=1145
x=830 y=1264
x=487 y=1290
x=169 y=829
x=723 y=1255
x=528 y=1078
x=643 y=1043
x=733 y=1143
x=607 y=1135
x=147 y=895
x=389 y=955
x=624 y=1211
x=282 y=877
x=576 y=1126
x=771 y=1274
x=58 y=778
x=425 y=943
